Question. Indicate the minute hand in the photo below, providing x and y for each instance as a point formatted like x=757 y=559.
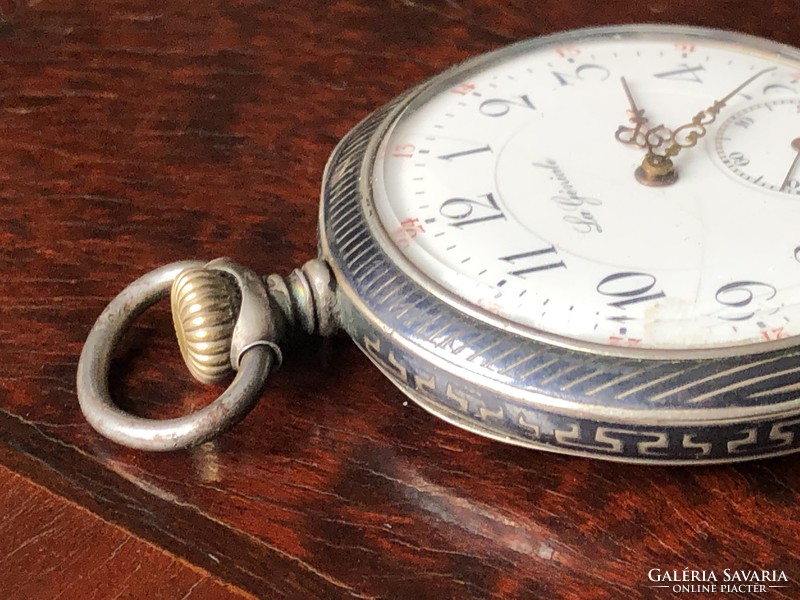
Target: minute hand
x=687 y=135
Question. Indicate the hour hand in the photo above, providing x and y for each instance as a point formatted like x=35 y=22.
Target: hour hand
x=636 y=135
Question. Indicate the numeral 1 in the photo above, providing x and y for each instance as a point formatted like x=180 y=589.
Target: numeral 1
x=462 y=89
x=453 y=155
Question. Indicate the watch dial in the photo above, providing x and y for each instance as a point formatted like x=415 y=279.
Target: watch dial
x=514 y=189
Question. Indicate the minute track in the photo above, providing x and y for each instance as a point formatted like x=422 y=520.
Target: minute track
x=520 y=115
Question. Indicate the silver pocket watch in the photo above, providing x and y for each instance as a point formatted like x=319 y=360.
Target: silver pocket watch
x=587 y=243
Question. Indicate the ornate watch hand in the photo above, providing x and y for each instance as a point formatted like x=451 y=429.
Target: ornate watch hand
x=657 y=169
x=788 y=178
x=632 y=135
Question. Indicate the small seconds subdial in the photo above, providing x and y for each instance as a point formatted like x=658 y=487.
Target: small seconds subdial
x=761 y=144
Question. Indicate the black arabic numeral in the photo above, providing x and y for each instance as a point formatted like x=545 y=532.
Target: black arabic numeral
x=586 y=72
x=631 y=287
x=499 y=107
x=684 y=73
x=740 y=295
x=460 y=210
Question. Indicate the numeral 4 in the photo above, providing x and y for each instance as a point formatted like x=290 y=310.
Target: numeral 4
x=684 y=73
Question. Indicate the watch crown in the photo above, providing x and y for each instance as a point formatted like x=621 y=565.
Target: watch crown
x=204 y=307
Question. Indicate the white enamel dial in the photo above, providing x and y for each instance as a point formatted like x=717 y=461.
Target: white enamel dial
x=509 y=194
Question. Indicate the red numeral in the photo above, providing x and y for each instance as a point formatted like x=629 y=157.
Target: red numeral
x=567 y=51
x=404 y=151
x=774 y=334
x=463 y=89
x=408 y=230
x=685 y=47
x=616 y=340
x=489 y=305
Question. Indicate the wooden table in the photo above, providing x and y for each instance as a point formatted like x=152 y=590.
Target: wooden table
x=135 y=133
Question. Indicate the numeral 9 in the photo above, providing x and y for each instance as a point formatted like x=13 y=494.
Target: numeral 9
x=499 y=107
x=741 y=294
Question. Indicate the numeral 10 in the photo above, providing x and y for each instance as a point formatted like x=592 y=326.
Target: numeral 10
x=630 y=287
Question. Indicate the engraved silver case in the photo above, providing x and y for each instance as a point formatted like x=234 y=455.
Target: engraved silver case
x=487 y=377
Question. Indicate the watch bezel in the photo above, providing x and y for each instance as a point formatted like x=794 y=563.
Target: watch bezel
x=527 y=391
x=423 y=92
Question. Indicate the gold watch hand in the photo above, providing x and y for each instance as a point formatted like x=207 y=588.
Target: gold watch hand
x=788 y=178
x=632 y=135
x=687 y=135
x=657 y=169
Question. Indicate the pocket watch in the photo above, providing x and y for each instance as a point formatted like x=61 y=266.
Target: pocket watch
x=587 y=243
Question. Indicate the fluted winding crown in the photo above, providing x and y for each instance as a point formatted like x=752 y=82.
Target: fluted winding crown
x=204 y=306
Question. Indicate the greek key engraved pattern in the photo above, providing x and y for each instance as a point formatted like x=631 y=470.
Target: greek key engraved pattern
x=401 y=370
x=690 y=442
x=398 y=303
x=459 y=399
x=420 y=382
x=658 y=441
x=570 y=436
x=738 y=446
x=613 y=439
x=531 y=426
x=785 y=433
x=486 y=413
x=609 y=381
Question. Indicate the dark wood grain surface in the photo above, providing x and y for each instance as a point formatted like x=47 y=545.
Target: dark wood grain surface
x=49 y=548
x=134 y=133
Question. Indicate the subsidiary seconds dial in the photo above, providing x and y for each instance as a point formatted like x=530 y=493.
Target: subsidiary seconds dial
x=514 y=191
x=761 y=143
